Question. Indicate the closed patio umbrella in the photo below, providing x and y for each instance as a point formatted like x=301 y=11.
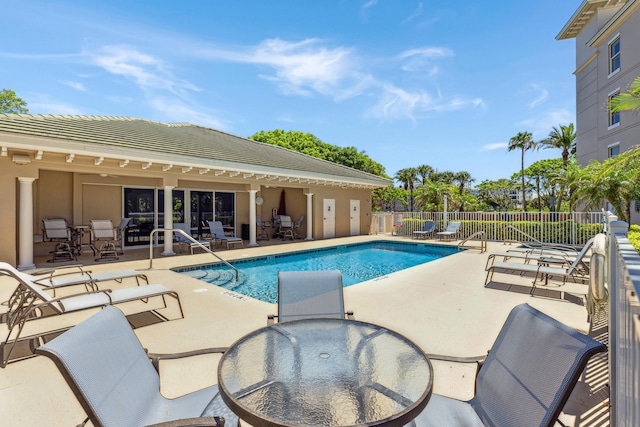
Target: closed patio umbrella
x=282 y=210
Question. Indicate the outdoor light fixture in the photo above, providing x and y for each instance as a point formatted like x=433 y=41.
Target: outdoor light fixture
x=21 y=159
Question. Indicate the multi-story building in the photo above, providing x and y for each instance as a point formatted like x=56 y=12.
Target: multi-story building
x=607 y=34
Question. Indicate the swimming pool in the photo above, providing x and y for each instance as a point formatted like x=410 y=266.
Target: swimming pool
x=358 y=262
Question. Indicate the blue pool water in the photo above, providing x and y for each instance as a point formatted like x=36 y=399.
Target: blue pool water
x=359 y=262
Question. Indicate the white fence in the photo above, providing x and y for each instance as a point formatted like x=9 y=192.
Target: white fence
x=570 y=228
x=624 y=327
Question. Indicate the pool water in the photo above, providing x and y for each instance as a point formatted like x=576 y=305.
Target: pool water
x=258 y=277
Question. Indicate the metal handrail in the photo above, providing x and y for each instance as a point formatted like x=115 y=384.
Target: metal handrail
x=532 y=240
x=190 y=238
x=483 y=240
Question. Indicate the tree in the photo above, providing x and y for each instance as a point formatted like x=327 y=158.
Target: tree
x=425 y=172
x=11 y=104
x=523 y=142
x=629 y=100
x=563 y=138
x=408 y=177
x=496 y=194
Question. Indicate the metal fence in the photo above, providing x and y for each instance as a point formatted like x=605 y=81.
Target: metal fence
x=624 y=327
x=569 y=228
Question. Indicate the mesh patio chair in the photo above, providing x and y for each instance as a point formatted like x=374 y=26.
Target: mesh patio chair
x=309 y=295
x=427 y=230
x=105 y=239
x=263 y=230
x=57 y=230
x=184 y=241
x=217 y=234
x=121 y=233
x=525 y=380
x=296 y=227
x=118 y=383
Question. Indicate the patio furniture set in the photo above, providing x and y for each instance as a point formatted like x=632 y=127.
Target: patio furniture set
x=429 y=230
x=317 y=365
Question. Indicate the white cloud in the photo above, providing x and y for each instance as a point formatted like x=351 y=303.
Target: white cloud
x=145 y=70
x=541 y=125
x=415 y=14
x=48 y=107
x=179 y=112
x=422 y=59
x=369 y=4
x=76 y=86
x=396 y=103
x=494 y=146
x=544 y=95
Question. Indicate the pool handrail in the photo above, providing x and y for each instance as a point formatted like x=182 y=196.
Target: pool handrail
x=483 y=240
x=190 y=238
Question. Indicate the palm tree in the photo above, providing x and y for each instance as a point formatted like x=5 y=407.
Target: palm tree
x=425 y=172
x=627 y=101
x=522 y=141
x=563 y=138
x=408 y=177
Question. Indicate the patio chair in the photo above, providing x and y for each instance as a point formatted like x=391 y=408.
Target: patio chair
x=427 y=230
x=57 y=230
x=118 y=383
x=526 y=378
x=184 y=241
x=286 y=227
x=296 y=227
x=533 y=255
x=217 y=234
x=452 y=231
x=309 y=295
x=30 y=302
x=121 y=233
x=263 y=229
x=577 y=270
x=105 y=239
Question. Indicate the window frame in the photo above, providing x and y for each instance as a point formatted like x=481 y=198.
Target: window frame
x=611 y=147
x=613 y=119
x=615 y=62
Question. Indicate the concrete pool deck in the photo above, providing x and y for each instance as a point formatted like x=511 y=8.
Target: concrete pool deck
x=442 y=306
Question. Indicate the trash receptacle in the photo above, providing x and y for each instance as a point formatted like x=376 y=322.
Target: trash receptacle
x=244 y=231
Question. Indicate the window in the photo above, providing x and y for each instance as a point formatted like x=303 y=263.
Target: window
x=614 y=150
x=614 y=117
x=614 y=55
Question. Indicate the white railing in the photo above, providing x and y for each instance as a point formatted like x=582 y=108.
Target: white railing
x=624 y=327
x=569 y=228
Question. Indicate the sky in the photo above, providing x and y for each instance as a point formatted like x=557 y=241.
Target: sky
x=410 y=83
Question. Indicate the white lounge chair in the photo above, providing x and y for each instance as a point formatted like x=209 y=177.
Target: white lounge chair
x=535 y=254
x=31 y=302
x=217 y=234
x=104 y=234
x=286 y=227
x=542 y=269
x=185 y=241
x=452 y=231
x=72 y=275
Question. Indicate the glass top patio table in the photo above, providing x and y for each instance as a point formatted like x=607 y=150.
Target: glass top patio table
x=325 y=372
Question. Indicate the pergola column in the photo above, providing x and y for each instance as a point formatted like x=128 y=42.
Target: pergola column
x=168 y=221
x=309 y=216
x=25 y=221
x=252 y=218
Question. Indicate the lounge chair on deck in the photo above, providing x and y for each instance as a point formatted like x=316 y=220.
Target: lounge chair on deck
x=30 y=302
x=217 y=234
x=310 y=295
x=427 y=230
x=525 y=380
x=569 y=255
x=111 y=375
x=452 y=231
x=184 y=241
x=105 y=239
x=542 y=268
x=57 y=230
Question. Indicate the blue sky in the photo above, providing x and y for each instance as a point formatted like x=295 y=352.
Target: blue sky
x=445 y=84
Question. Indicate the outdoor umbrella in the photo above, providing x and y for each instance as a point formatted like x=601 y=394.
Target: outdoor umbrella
x=282 y=210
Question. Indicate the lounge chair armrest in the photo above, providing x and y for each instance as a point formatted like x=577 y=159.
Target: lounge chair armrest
x=157 y=357
x=193 y=422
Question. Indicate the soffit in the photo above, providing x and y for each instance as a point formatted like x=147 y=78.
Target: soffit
x=582 y=16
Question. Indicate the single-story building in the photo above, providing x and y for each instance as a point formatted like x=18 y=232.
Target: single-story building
x=83 y=168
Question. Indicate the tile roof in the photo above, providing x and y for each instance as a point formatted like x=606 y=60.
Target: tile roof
x=182 y=139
